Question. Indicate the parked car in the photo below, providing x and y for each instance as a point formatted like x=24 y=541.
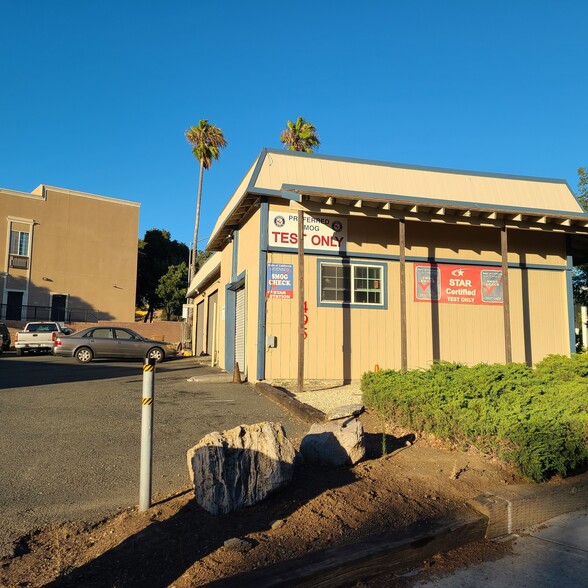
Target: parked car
x=5 y=338
x=111 y=342
x=39 y=336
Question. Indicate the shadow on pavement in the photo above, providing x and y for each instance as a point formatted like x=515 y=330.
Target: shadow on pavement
x=23 y=372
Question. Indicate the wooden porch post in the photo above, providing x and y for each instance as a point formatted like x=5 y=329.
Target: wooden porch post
x=403 y=340
x=505 y=295
x=300 y=385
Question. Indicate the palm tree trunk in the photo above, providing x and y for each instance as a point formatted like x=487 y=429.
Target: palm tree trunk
x=196 y=223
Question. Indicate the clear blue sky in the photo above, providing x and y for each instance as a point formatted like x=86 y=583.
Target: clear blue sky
x=96 y=96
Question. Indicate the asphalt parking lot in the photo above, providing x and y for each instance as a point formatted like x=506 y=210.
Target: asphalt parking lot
x=70 y=434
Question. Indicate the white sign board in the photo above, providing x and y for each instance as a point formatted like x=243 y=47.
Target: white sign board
x=323 y=233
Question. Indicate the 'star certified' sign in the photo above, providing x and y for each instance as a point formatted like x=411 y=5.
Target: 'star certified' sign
x=324 y=233
x=457 y=284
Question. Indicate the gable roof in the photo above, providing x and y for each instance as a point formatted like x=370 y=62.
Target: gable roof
x=331 y=181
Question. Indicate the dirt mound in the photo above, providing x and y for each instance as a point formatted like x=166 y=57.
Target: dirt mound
x=178 y=543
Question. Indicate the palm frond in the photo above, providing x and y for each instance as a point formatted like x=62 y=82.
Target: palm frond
x=207 y=140
x=300 y=136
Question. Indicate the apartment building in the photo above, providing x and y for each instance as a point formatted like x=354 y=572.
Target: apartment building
x=67 y=256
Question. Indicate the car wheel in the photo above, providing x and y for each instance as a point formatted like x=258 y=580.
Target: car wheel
x=84 y=355
x=19 y=352
x=156 y=353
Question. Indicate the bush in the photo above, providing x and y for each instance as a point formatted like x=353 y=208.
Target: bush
x=536 y=419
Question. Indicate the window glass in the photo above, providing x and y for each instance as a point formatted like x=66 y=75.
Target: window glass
x=120 y=334
x=19 y=243
x=102 y=334
x=335 y=283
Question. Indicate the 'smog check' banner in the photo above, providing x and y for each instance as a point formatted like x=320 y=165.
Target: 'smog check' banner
x=457 y=284
x=280 y=277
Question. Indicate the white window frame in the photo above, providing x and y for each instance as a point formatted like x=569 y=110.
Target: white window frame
x=353 y=266
x=18 y=242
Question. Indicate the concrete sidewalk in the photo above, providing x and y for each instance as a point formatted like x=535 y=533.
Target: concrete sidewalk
x=552 y=554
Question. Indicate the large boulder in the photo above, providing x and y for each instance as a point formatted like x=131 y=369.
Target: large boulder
x=334 y=443
x=240 y=467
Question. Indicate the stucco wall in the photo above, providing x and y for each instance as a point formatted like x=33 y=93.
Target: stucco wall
x=81 y=245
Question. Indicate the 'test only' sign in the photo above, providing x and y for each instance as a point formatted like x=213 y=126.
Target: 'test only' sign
x=323 y=233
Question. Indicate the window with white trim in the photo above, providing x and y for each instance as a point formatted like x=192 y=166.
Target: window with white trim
x=351 y=283
x=19 y=243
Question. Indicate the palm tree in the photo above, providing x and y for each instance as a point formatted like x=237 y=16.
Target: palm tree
x=300 y=136
x=207 y=140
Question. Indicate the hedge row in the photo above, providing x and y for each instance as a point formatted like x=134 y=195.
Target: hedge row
x=535 y=418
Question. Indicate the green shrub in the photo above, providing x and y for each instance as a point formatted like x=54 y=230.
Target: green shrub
x=536 y=419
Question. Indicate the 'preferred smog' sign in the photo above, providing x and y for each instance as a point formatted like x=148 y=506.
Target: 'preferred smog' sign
x=323 y=233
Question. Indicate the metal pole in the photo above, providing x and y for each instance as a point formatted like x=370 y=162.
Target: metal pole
x=146 y=434
x=584 y=319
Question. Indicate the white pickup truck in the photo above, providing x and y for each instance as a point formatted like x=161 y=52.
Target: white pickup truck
x=39 y=336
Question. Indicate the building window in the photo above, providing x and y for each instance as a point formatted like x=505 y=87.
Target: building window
x=19 y=243
x=367 y=286
x=335 y=283
x=360 y=284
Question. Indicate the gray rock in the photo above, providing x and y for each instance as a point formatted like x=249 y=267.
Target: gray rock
x=334 y=444
x=240 y=467
x=237 y=544
x=349 y=410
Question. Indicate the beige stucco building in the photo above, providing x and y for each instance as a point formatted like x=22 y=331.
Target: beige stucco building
x=403 y=266
x=67 y=256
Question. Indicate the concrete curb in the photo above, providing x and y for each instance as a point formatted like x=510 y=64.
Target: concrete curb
x=379 y=554
x=305 y=412
x=522 y=506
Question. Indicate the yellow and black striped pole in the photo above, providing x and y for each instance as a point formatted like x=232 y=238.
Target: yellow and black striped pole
x=147 y=434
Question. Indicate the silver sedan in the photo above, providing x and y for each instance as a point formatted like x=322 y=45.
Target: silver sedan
x=111 y=342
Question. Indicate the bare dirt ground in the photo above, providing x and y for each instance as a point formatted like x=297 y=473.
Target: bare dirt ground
x=176 y=543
